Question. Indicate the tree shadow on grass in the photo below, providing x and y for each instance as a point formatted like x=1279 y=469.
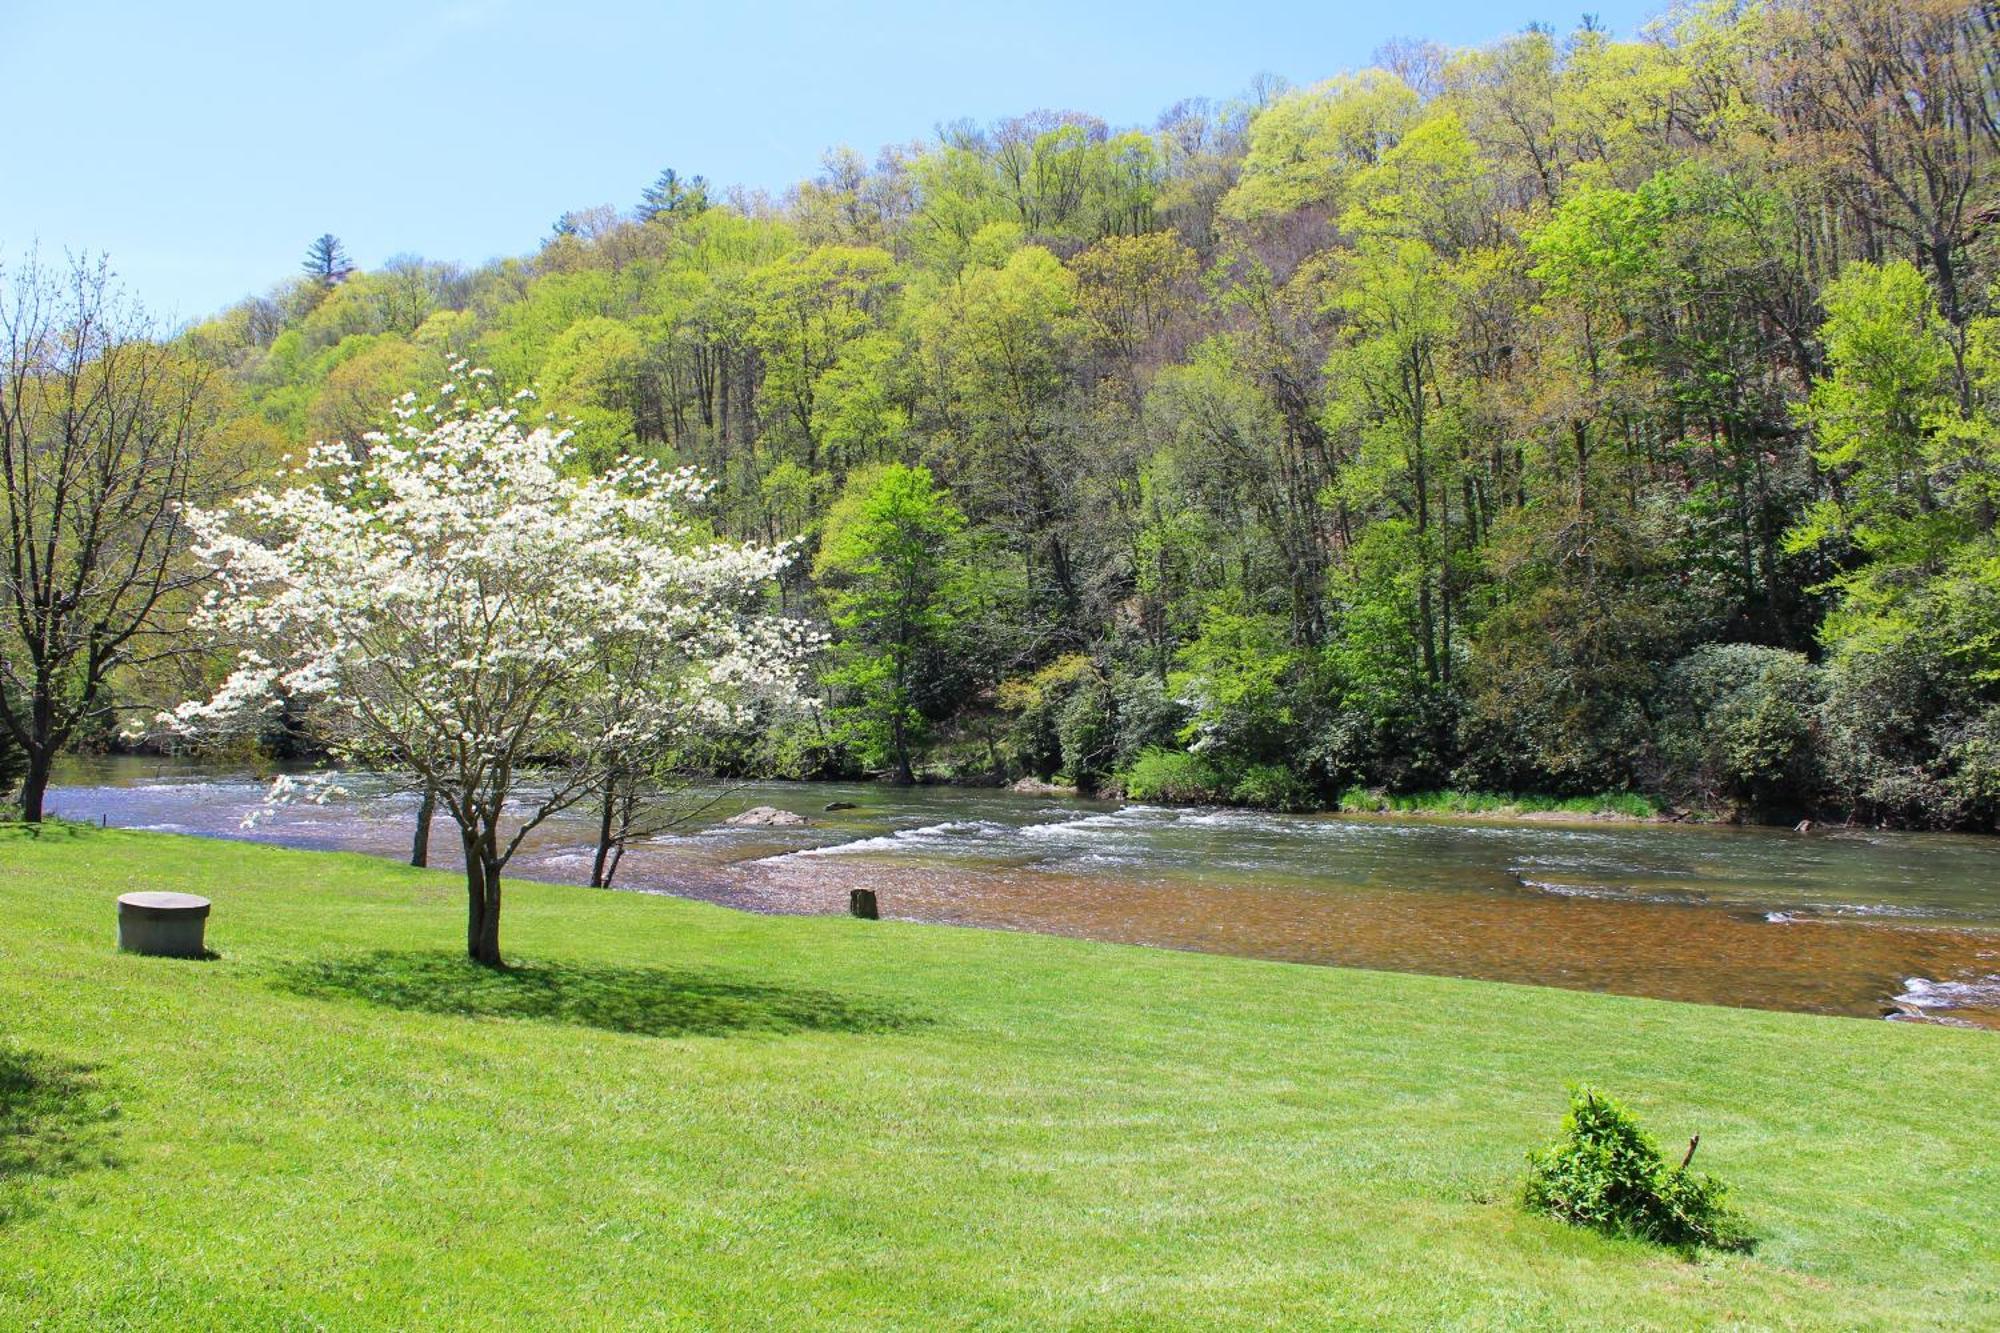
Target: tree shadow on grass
x=50 y=829
x=648 y=1001
x=55 y=1119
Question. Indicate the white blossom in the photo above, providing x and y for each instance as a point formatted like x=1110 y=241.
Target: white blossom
x=459 y=602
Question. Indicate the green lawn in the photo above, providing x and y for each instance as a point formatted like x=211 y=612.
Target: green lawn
x=681 y=1116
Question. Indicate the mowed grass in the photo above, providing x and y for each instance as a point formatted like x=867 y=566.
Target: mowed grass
x=679 y=1116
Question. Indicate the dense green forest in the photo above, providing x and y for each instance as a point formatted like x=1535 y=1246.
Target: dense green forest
x=1576 y=414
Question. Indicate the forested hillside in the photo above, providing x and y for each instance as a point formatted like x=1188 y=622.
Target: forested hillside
x=1575 y=414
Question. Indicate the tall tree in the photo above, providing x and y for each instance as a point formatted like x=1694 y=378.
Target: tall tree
x=998 y=349
x=326 y=261
x=1897 y=104
x=1919 y=485
x=102 y=435
x=809 y=307
x=445 y=606
x=672 y=195
x=892 y=565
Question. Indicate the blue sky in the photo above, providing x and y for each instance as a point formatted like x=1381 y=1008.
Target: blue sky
x=204 y=144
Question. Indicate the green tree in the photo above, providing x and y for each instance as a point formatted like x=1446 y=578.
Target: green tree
x=590 y=377
x=809 y=307
x=1918 y=475
x=1305 y=146
x=997 y=347
x=672 y=195
x=1914 y=632
x=893 y=569
x=326 y=261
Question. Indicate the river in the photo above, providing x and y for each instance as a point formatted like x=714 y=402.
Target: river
x=1852 y=922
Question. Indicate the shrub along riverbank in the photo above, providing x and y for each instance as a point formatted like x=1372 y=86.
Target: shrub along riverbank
x=669 y=1113
x=1176 y=777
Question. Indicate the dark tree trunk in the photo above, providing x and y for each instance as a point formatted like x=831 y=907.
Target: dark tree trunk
x=899 y=743
x=482 y=893
x=35 y=787
x=598 y=879
x=475 y=899
x=420 y=846
x=489 y=925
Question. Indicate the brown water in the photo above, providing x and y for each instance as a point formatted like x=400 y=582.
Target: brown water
x=1838 y=922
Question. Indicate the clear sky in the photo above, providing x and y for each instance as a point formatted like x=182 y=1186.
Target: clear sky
x=204 y=144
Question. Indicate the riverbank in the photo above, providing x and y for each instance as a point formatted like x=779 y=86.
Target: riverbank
x=1605 y=807
x=1625 y=807
x=1179 y=784
x=1630 y=807
x=677 y=1114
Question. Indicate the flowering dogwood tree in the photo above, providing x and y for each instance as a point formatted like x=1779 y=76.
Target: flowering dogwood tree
x=458 y=607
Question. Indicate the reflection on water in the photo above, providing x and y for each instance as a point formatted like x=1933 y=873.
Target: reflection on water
x=1841 y=922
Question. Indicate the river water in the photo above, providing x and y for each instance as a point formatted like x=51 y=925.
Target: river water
x=1851 y=922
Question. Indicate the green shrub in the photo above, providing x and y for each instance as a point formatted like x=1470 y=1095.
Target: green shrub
x=1083 y=718
x=1087 y=733
x=796 y=748
x=1368 y=800
x=1739 y=722
x=1913 y=736
x=1033 y=742
x=1270 y=787
x=1558 y=680
x=1147 y=717
x=1174 y=776
x=1606 y=1173
x=13 y=763
x=1384 y=722
x=1241 y=681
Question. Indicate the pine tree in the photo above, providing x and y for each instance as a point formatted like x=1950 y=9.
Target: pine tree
x=326 y=261
x=672 y=196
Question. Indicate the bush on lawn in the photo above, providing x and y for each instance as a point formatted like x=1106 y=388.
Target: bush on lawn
x=1606 y=1173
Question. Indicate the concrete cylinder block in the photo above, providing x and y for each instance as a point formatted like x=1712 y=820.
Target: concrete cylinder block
x=169 y=925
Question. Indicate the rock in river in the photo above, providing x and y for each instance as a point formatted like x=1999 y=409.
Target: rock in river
x=764 y=815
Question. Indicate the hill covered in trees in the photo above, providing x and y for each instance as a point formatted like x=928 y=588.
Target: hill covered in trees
x=1574 y=414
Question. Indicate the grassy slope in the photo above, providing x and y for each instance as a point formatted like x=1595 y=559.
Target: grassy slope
x=864 y=1125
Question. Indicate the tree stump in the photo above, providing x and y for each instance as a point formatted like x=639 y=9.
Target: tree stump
x=861 y=903
x=166 y=925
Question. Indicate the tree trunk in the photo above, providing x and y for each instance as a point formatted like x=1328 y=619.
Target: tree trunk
x=34 y=787
x=482 y=894
x=489 y=926
x=420 y=846
x=597 y=865
x=899 y=744
x=1580 y=441
x=475 y=898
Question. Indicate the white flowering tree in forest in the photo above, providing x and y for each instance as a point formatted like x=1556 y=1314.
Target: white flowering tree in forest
x=458 y=606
